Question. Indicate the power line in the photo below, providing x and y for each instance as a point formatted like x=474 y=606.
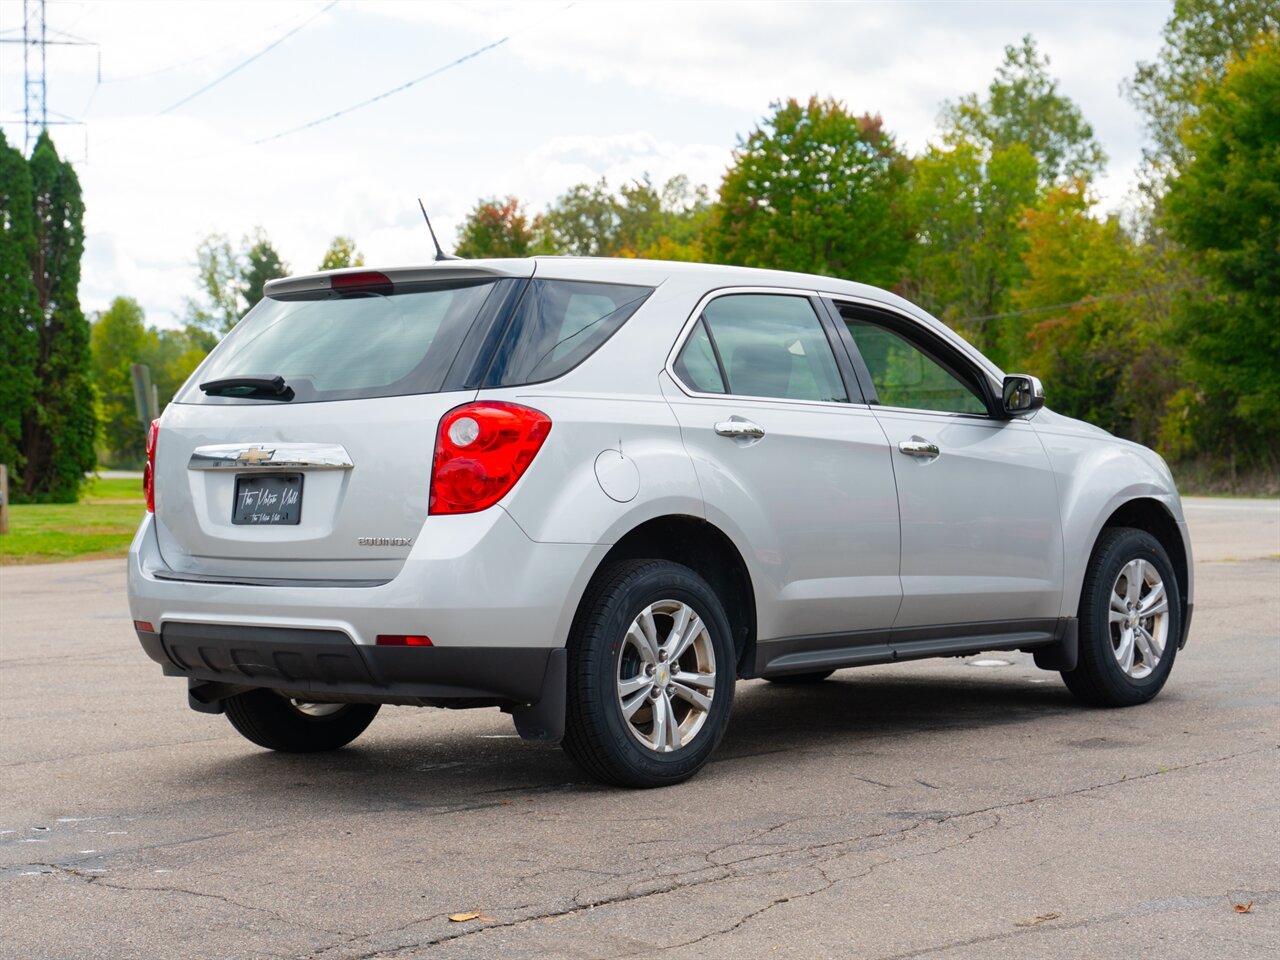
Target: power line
x=382 y=96
x=404 y=86
x=189 y=61
x=240 y=66
x=1122 y=295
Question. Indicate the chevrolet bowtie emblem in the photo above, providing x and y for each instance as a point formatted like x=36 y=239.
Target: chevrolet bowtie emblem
x=256 y=455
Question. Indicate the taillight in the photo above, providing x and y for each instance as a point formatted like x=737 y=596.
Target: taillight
x=481 y=450
x=149 y=471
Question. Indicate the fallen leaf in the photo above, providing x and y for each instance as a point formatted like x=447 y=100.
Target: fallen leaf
x=464 y=917
x=1037 y=920
x=506 y=803
x=1244 y=907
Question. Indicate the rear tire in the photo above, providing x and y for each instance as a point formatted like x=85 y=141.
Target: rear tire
x=1130 y=621
x=278 y=723
x=651 y=676
x=801 y=678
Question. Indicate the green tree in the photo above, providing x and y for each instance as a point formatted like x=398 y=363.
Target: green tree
x=59 y=428
x=1095 y=305
x=1023 y=107
x=584 y=222
x=20 y=315
x=261 y=263
x=120 y=338
x=661 y=224
x=231 y=281
x=1224 y=206
x=816 y=189
x=500 y=228
x=342 y=252
x=222 y=287
x=968 y=200
x=1199 y=39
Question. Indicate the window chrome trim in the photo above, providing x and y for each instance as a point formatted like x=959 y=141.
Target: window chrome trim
x=687 y=330
x=271 y=456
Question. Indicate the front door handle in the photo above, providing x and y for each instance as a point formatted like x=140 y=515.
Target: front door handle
x=737 y=427
x=918 y=447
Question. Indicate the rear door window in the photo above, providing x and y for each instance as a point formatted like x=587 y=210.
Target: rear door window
x=557 y=325
x=764 y=345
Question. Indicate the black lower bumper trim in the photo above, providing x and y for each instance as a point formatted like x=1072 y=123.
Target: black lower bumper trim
x=326 y=661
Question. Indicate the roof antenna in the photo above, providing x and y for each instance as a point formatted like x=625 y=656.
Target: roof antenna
x=440 y=254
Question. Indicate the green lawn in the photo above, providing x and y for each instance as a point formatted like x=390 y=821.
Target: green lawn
x=100 y=525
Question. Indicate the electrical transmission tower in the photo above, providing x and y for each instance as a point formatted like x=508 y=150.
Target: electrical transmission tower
x=35 y=46
x=35 y=112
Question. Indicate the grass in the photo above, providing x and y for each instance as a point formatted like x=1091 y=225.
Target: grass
x=99 y=526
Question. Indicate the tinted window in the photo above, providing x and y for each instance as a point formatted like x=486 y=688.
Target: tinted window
x=905 y=376
x=331 y=346
x=773 y=346
x=557 y=325
x=697 y=366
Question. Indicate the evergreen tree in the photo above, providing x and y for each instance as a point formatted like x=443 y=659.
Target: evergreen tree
x=59 y=428
x=261 y=263
x=19 y=306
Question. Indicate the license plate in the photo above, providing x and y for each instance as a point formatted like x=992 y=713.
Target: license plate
x=268 y=499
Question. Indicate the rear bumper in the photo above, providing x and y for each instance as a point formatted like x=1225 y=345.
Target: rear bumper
x=479 y=582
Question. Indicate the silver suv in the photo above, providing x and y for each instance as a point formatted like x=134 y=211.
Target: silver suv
x=594 y=493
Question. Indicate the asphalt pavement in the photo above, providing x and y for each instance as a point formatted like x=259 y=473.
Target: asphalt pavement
x=944 y=809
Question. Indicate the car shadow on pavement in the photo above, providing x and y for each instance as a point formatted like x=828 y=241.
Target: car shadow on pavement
x=417 y=767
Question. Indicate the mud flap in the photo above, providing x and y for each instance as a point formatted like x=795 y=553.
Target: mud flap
x=543 y=720
x=1063 y=654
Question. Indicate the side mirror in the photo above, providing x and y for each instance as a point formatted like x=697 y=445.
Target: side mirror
x=1021 y=395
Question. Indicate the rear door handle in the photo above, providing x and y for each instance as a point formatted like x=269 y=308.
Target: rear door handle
x=918 y=447
x=737 y=427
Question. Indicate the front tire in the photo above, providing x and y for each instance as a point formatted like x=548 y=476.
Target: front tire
x=1130 y=621
x=278 y=723
x=651 y=676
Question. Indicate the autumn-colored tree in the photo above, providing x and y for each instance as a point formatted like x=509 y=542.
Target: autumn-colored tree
x=1094 y=305
x=500 y=228
x=817 y=189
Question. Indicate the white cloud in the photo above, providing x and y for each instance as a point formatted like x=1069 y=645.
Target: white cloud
x=578 y=92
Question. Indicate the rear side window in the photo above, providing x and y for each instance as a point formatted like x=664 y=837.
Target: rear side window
x=697 y=365
x=331 y=346
x=557 y=325
x=769 y=345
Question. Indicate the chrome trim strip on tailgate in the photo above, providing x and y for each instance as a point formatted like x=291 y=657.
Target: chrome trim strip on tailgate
x=266 y=456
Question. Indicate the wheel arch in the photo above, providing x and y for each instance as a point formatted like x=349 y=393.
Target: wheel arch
x=1153 y=517
x=705 y=549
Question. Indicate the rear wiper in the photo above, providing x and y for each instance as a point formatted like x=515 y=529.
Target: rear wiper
x=250 y=385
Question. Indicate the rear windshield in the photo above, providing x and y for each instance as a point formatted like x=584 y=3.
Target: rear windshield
x=330 y=346
x=557 y=325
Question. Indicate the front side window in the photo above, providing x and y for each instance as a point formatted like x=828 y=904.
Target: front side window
x=761 y=345
x=906 y=376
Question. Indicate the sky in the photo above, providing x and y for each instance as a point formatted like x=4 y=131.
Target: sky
x=569 y=93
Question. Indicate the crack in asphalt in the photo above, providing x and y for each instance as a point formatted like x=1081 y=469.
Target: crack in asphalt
x=98 y=880
x=1167 y=905
x=718 y=872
